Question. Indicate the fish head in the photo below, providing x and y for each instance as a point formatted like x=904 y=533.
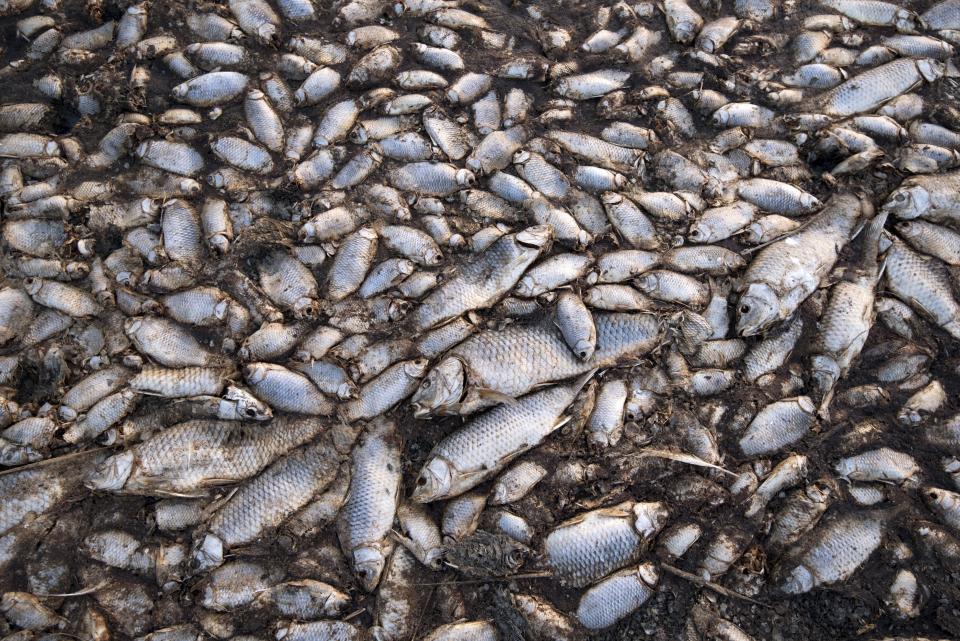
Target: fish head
x=758 y=309
x=466 y=178
x=346 y=391
x=537 y=236
x=820 y=491
x=267 y=32
x=434 y=481
x=67 y=413
x=905 y=228
x=527 y=287
x=432 y=256
x=248 y=407
x=358 y=136
x=254 y=372
x=908 y=202
x=685 y=30
x=647 y=283
x=611 y=198
x=306 y=308
x=112 y=474
x=940 y=498
x=699 y=232
x=368 y=565
x=648 y=574
x=810 y=202
x=209 y=554
x=416 y=368
x=734 y=261
x=825 y=372
x=32 y=285
x=434 y=558
x=584 y=348
x=131 y=326
x=799 y=581
x=931 y=69
x=398 y=309
x=649 y=518
x=443 y=388
x=721 y=117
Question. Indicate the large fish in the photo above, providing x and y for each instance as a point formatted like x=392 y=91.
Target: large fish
x=485 y=445
x=510 y=362
x=786 y=272
x=189 y=458
x=481 y=283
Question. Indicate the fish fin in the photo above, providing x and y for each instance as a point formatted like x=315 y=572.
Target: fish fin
x=180 y=495
x=149 y=393
x=560 y=423
x=401 y=539
x=683 y=457
x=584 y=379
x=493 y=395
x=617 y=511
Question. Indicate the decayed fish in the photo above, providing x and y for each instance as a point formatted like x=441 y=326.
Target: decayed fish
x=786 y=272
x=367 y=516
x=479 y=284
x=848 y=318
x=870 y=89
x=836 y=550
x=269 y=499
x=485 y=445
x=924 y=284
x=617 y=596
x=492 y=365
x=191 y=457
x=32 y=492
x=593 y=544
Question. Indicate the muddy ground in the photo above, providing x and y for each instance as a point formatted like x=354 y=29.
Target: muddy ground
x=855 y=610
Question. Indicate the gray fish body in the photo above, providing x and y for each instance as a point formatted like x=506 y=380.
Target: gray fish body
x=489 y=442
x=786 y=272
x=367 y=516
x=516 y=359
x=479 y=284
x=191 y=457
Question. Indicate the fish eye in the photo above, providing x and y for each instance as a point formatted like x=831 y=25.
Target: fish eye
x=426 y=384
x=250 y=412
x=421 y=481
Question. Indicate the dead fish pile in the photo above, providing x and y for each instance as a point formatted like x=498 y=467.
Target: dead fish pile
x=448 y=319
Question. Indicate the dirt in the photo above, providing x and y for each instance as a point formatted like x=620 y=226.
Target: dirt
x=855 y=610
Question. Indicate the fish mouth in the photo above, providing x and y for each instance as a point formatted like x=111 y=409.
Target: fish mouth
x=419 y=411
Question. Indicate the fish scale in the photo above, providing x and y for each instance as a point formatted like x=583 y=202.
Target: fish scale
x=558 y=275
x=594 y=544
x=189 y=457
x=266 y=501
x=488 y=358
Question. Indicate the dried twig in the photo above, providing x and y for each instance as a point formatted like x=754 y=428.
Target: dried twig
x=496 y=579
x=693 y=578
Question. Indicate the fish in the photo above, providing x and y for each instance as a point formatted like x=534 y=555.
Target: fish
x=489 y=442
x=481 y=369
x=371 y=503
x=786 y=272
